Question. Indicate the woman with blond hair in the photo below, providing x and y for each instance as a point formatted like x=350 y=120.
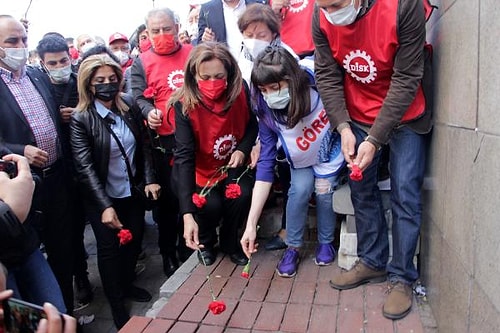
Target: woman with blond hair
x=112 y=159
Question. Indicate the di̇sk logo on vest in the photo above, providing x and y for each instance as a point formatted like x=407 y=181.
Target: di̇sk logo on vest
x=297 y=6
x=175 y=79
x=224 y=146
x=360 y=66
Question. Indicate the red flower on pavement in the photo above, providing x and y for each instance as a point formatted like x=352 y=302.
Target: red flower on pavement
x=217 y=307
x=125 y=236
x=233 y=191
x=356 y=173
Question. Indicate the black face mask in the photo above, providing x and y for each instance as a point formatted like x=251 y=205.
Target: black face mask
x=107 y=91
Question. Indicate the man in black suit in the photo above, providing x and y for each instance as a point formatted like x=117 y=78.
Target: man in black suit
x=214 y=25
x=30 y=126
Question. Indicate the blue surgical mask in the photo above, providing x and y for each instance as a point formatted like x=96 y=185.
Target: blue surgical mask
x=277 y=99
x=343 y=16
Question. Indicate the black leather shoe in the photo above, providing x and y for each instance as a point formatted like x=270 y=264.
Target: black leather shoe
x=275 y=243
x=239 y=259
x=206 y=257
x=138 y=294
x=120 y=315
x=170 y=264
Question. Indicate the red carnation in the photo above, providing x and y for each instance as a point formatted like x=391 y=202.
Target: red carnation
x=217 y=307
x=149 y=92
x=233 y=191
x=199 y=200
x=356 y=173
x=125 y=236
x=246 y=270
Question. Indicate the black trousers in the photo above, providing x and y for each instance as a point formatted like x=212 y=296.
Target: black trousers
x=55 y=225
x=166 y=212
x=117 y=262
x=230 y=213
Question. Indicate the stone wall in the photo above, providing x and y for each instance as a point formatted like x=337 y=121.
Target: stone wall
x=460 y=246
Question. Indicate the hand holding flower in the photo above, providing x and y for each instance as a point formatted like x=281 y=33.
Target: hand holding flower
x=191 y=232
x=110 y=219
x=155 y=119
x=356 y=173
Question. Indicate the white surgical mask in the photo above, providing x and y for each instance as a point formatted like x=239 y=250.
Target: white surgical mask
x=88 y=46
x=277 y=99
x=192 y=30
x=123 y=57
x=255 y=46
x=15 y=58
x=60 y=75
x=343 y=16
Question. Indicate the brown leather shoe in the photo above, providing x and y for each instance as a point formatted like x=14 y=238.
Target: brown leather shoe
x=398 y=302
x=356 y=276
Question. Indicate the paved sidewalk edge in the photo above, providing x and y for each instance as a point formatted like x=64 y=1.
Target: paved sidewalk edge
x=172 y=284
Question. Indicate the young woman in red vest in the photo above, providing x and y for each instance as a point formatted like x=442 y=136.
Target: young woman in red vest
x=215 y=128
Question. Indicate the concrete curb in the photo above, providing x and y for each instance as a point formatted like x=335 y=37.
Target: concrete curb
x=172 y=284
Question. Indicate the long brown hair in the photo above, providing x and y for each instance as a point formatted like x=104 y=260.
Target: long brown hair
x=189 y=93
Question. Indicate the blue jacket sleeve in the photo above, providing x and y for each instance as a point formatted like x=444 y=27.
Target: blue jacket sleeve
x=267 y=159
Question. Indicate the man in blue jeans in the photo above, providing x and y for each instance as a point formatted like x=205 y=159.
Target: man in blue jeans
x=369 y=70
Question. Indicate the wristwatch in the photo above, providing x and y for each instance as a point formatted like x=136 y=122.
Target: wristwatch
x=374 y=142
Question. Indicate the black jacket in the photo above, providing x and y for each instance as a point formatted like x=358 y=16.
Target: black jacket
x=90 y=143
x=212 y=16
x=14 y=128
x=17 y=240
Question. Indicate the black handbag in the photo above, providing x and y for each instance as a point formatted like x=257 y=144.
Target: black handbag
x=137 y=190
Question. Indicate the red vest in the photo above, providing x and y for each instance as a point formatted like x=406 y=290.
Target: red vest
x=369 y=64
x=165 y=73
x=296 y=28
x=217 y=136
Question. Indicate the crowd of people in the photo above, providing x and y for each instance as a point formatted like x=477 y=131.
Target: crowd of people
x=197 y=123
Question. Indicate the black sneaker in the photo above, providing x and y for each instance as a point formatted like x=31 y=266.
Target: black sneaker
x=138 y=294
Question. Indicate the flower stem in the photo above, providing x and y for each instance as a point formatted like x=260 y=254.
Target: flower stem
x=208 y=275
x=246 y=170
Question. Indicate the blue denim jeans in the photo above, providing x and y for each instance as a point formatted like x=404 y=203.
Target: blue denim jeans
x=407 y=167
x=302 y=184
x=34 y=282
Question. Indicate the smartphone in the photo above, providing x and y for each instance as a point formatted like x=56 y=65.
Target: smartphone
x=21 y=316
x=10 y=167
